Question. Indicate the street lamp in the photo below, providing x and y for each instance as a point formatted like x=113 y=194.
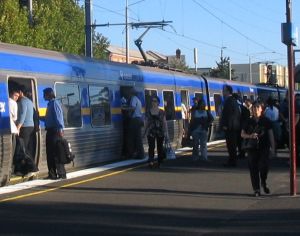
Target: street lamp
x=250 y=63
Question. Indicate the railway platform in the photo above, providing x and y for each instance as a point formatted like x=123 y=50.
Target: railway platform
x=183 y=197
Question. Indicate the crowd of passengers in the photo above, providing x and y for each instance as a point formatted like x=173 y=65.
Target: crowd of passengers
x=253 y=128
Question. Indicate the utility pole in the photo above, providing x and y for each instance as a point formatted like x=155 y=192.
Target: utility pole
x=88 y=29
x=250 y=70
x=293 y=183
x=30 y=12
x=196 y=58
x=229 y=68
x=127 y=33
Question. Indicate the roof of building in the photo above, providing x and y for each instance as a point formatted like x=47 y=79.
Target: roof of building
x=132 y=53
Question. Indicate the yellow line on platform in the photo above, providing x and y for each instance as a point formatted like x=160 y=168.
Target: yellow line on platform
x=69 y=185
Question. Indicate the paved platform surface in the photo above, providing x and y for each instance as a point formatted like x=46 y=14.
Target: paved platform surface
x=182 y=197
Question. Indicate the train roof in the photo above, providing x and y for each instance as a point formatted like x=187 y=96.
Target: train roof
x=92 y=64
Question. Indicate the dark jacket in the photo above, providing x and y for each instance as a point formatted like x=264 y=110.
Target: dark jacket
x=231 y=114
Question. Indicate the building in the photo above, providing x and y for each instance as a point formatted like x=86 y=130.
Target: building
x=261 y=73
x=118 y=54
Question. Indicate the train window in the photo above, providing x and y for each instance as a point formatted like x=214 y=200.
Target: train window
x=184 y=97
x=218 y=104
x=100 y=105
x=169 y=105
x=148 y=94
x=199 y=96
x=69 y=96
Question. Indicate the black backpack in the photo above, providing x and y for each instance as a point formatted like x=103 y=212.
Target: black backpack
x=64 y=151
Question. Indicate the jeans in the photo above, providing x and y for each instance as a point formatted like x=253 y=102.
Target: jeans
x=199 y=137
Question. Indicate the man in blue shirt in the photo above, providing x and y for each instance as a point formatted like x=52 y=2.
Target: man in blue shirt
x=25 y=123
x=54 y=123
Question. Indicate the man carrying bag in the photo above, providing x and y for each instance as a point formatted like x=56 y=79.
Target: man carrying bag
x=54 y=124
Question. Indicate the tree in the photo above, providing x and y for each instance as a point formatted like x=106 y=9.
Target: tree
x=100 y=44
x=57 y=25
x=222 y=69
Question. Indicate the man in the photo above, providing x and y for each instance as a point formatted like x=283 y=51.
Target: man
x=135 y=142
x=54 y=123
x=230 y=123
x=25 y=123
x=13 y=112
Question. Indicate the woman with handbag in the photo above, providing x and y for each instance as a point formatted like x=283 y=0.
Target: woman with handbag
x=155 y=130
x=259 y=144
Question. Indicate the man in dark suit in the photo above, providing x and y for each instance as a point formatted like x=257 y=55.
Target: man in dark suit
x=230 y=123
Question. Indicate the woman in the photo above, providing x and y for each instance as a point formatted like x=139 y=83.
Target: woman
x=155 y=129
x=200 y=121
x=259 y=128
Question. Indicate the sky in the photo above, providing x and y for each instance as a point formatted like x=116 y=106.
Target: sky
x=239 y=28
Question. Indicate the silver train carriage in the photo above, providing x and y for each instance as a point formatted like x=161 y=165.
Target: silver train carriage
x=90 y=92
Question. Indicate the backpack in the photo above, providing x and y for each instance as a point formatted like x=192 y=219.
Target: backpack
x=64 y=151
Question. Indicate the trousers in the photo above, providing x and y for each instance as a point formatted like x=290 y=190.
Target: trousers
x=159 y=144
x=54 y=167
x=199 y=137
x=258 y=162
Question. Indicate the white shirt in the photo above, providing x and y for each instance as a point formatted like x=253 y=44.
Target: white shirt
x=136 y=103
x=13 y=112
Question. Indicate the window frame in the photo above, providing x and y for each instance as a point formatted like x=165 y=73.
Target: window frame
x=202 y=94
x=79 y=93
x=216 y=111
x=187 y=97
x=110 y=94
x=174 y=102
x=149 y=89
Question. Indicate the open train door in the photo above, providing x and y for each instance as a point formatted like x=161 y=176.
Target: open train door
x=31 y=88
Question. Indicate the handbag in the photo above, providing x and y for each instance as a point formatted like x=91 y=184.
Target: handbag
x=250 y=144
x=169 y=152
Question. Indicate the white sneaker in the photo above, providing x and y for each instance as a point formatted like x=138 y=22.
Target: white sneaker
x=31 y=174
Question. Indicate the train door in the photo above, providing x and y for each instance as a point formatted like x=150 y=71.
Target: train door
x=31 y=93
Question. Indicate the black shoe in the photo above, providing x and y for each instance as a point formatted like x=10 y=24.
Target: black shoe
x=51 y=177
x=266 y=189
x=62 y=176
x=257 y=193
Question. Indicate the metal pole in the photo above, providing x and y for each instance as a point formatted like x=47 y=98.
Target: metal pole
x=250 y=70
x=88 y=29
x=229 y=68
x=30 y=12
x=127 y=34
x=196 y=58
x=293 y=183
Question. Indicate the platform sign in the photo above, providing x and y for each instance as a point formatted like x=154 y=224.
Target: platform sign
x=289 y=34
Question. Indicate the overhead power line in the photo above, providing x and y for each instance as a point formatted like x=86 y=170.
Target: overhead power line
x=231 y=27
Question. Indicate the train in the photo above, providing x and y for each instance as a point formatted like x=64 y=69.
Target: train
x=90 y=92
